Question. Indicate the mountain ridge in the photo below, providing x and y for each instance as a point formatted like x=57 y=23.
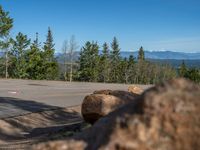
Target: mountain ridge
x=164 y=55
x=157 y=55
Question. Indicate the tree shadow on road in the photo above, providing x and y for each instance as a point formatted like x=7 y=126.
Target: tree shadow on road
x=10 y=106
x=21 y=119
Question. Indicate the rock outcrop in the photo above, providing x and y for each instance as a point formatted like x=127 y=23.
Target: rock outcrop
x=164 y=117
x=103 y=102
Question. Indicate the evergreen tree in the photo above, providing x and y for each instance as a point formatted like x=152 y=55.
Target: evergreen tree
x=141 y=54
x=123 y=74
x=49 y=47
x=35 y=61
x=50 y=63
x=6 y=23
x=18 y=63
x=182 y=69
x=141 y=67
x=115 y=61
x=104 y=64
x=130 y=73
x=193 y=74
x=89 y=62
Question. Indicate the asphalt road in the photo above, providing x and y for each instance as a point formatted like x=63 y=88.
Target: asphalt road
x=25 y=96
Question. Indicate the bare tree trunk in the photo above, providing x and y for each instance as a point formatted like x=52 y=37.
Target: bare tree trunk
x=64 y=51
x=71 y=70
x=6 y=47
x=6 y=63
x=72 y=47
x=65 y=67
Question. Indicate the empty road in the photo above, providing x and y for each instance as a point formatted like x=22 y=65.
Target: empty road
x=25 y=96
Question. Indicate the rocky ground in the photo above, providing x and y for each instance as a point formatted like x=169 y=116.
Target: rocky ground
x=163 y=117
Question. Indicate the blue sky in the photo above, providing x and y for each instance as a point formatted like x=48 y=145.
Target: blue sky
x=154 y=24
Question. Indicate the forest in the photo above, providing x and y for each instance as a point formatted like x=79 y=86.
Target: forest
x=25 y=58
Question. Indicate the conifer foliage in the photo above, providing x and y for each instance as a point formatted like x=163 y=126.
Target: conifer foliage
x=50 y=64
x=6 y=23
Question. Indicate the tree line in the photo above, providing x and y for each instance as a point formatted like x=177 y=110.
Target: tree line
x=26 y=59
x=189 y=73
x=109 y=66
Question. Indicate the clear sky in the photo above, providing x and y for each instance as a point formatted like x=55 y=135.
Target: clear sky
x=154 y=24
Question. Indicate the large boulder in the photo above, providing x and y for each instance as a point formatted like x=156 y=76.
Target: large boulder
x=103 y=102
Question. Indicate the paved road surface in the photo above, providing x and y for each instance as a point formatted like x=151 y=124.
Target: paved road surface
x=24 y=96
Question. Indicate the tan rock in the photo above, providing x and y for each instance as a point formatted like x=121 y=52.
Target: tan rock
x=97 y=105
x=135 y=89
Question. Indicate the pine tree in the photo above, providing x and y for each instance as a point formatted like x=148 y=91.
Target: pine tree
x=50 y=63
x=130 y=73
x=89 y=62
x=49 y=46
x=35 y=61
x=115 y=60
x=123 y=67
x=183 y=69
x=141 y=67
x=193 y=74
x=141 y=54
x=104 y=64
x=6 y=23
x=17 y=56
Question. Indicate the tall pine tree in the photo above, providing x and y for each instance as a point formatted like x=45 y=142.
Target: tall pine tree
x=35 y=61
x=50 y=63
x=141 y=54
x=18 y=64
x=182 y=69
x=6 y=23
x=89 y=62
x=130 y=73
x=115 y=61
x=49 y=47
x=104 y=64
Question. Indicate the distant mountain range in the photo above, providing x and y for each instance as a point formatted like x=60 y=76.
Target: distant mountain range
x=157 y=55
x=151 y=55
x=161 y=57
x=164 y=55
